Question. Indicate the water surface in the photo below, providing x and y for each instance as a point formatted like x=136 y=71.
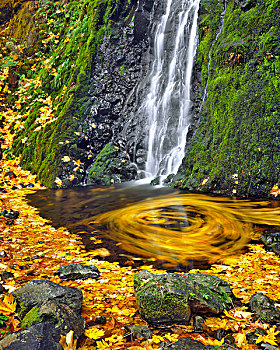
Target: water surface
x=172 y=228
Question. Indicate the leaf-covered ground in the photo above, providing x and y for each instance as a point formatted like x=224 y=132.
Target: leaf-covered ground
x=35 y=250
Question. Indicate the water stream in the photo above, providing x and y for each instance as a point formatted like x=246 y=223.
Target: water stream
x=167 y=104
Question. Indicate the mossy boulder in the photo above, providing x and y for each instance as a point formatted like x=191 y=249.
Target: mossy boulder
x=171 y=298
x=264 y=309
x=59 y=314
x=35 y=292
x=111 y=166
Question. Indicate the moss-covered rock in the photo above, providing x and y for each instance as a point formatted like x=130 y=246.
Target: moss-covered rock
x=111 y=166
x=171 y=298
x=235 y=147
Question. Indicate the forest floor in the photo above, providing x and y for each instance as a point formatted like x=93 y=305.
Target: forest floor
x=35 y=250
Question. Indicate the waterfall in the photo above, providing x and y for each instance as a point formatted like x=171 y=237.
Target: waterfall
x=167 y=104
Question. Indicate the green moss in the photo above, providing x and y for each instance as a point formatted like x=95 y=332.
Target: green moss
x=81 y=27
x=30 y=318
x=236 y=144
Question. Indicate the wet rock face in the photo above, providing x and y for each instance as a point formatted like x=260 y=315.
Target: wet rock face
x=117 y=69
x=171 y=298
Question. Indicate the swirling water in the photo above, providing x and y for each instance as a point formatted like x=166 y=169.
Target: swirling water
x=161 y=224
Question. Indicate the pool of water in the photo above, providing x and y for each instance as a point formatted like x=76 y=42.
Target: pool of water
x=169 y=228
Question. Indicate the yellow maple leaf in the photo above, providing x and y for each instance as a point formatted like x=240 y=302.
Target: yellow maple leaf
x=8 y=305
x=269 y=337
x=240 y=339
x=68 y=342
x=94 y=333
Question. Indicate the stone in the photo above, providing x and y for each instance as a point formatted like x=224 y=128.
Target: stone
x=36 y=291
x=77 y=271
x=138 y=331
x=57 y=313
x=43 y=336
x=190 y=344
x=3 y=254
x=10 y=215
x=171 y=298
x=198 y=323
x=271 y=242
x=264 y=309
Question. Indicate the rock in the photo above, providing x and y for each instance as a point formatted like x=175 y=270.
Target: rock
x=57 y=313
x=42 y=336
x=36 y=291
x=271 y=242
x=264 y=309
x=171 y=298
x=100 y=320
x=191 y=344
x=6 y=275
x=3 y=254
x=77 y=271
x=138 y=331
x=10 y=174
x=10 y=215
x=198 y=322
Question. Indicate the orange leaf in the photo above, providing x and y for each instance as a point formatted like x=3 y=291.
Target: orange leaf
x=8 y=305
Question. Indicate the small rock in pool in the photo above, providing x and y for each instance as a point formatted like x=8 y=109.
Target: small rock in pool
x=77 y=271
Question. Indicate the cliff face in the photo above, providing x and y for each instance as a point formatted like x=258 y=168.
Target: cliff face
x=88 y=62
x=82 y=64
x=235 y=148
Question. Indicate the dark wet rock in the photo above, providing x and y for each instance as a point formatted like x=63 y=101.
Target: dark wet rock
x=3 y=254
x=61 y=315
x=264 y=309
x=112 y=165
x=1 y=288
x=100 y=320
x=43 y=336
x=138 y=331
x=190 y=344
x=271 y=242
x=6 y=275
x=29 y=185
x=155 y=181
x=77 y=271
x=36 y=291
x=268 y=347
x=10 y=174
x=10 y=215
x=198 y=322
x=171 y=298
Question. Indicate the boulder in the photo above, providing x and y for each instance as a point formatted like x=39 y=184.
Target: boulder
x=43 y=336
x=171 y=298
x=36 y=292
x=191 y=344
x=138 y=331
x=77 y=271
x=59 y=314
x=264 y=309
x=271 y=242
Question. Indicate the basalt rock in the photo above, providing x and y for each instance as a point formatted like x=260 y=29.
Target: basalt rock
x=171 y=298
x=264 y=309
x=77 y=271
x=271 y=242
x=43 y=336
x=36 y=292
x=61 y=315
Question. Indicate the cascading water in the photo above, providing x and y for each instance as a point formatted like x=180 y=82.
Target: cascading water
x=167 y=104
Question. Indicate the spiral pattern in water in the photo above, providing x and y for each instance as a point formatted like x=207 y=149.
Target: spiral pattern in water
x=181 y=227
